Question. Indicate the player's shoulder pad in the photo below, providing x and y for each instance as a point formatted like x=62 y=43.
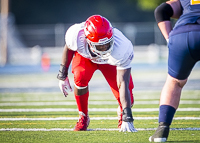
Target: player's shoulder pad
x=72 y=34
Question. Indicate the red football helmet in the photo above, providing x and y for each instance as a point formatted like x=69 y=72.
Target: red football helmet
x=98 y=31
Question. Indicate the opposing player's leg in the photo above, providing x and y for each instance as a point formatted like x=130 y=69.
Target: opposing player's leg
x=171 y=92
x=83 y=70
x=183 y=54
x=169 y=101
x=112 y=81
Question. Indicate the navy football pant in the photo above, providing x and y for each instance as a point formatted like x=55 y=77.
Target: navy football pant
x=184 y=52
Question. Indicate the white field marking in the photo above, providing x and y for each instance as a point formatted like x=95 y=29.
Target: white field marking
x=97 y=129
x=92 y=118
x=57 y=96
x=95 y=97
x=90 y=103
x=98 y=98
x=90 y=110
x=57 y=103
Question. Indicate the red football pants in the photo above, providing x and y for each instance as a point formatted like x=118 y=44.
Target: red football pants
x=83 y=69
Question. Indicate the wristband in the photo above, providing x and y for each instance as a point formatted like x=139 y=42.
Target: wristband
x=63 y=72
x=127 y=115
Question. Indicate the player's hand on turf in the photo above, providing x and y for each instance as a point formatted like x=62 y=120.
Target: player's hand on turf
x=127 y=127
x=65 y=86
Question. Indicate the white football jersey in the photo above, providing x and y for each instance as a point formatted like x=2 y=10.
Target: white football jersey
x=121 y=55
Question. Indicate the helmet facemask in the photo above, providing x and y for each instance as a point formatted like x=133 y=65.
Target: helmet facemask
x=100 y=53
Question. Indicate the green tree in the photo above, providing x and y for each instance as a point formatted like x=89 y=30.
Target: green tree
x=149 y=5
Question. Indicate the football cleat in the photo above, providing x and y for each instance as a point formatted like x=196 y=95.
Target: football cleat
x=83 y=122
x=119 y=115
x=161 y=133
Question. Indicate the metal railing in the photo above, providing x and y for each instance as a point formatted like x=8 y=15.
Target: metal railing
x=27 y=43
x=53 y=35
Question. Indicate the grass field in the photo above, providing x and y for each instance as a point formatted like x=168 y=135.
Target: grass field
x=49 y=117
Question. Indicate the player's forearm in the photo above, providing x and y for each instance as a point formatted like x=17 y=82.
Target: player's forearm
x=125 y=95
x=66 y=60
x=165 y=28
x=123 y=78
x=67 y=56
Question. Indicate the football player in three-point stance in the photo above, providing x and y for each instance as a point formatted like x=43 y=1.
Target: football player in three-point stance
x=95 y=45
x=184 y=52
